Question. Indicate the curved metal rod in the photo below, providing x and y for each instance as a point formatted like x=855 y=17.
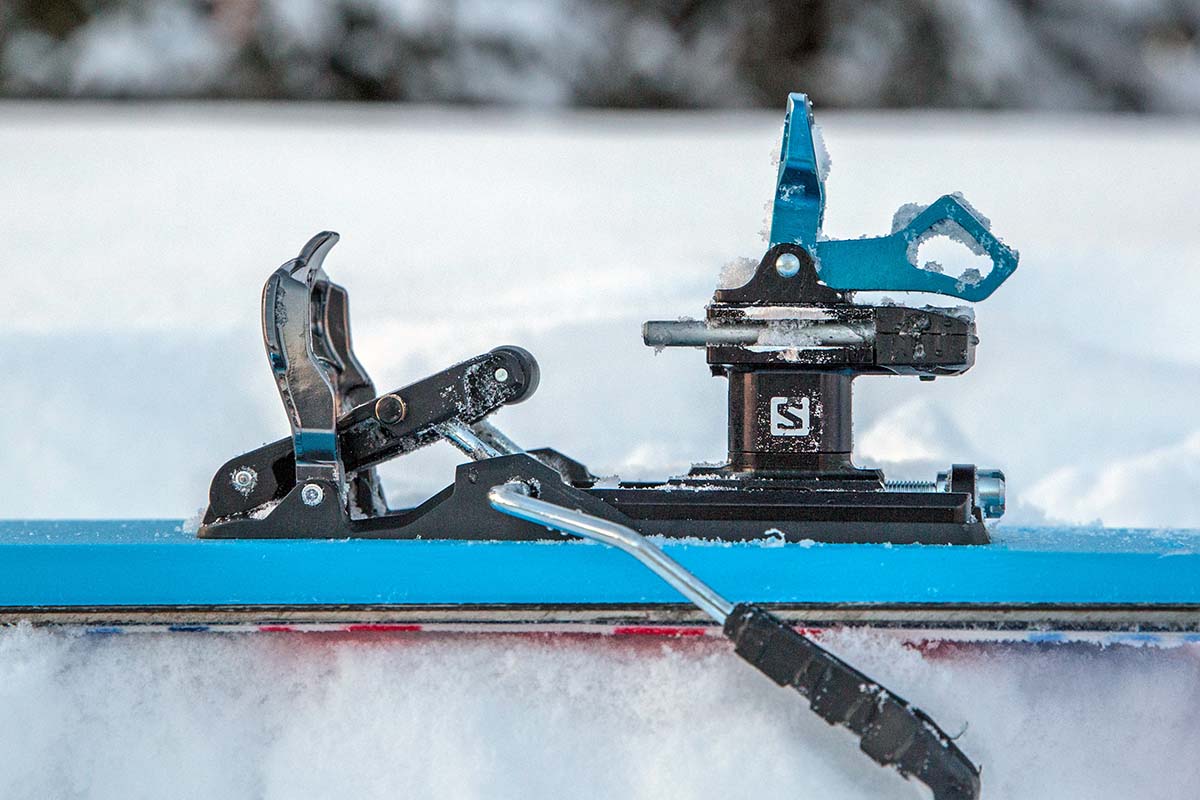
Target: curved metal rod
x=513 y=499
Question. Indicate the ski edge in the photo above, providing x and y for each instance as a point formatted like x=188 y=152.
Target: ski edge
x=1102 y=625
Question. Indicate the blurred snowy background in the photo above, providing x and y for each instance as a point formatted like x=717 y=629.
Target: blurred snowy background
x=138 y=239
x=1103 y=55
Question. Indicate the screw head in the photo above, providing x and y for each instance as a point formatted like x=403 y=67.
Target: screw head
x=312 y=494
x=390 y=409
x=787 y=265
x=244 y=479
x=501 y=375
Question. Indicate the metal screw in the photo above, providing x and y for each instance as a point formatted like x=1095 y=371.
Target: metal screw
x=501 y=374
x=989 y=489
x=244 y=479
x=312 y=494
x=787 y=265
x=390 y=409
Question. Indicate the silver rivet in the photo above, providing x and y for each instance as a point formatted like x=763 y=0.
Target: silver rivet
x=501 y=374
x=312 y=495
x=787 y=265
x=244 y=480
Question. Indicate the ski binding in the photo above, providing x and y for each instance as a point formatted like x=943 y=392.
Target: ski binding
x=789 y=341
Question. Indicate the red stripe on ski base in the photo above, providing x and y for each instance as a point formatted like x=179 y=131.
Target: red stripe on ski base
x=382 y=626
x=654 y=630
x=275 y=628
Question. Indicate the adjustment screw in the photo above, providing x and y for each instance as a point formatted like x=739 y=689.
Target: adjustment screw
x=787 y=265
x=389 y=410
x=312 y=494
x=244 y=479
x=501 y=375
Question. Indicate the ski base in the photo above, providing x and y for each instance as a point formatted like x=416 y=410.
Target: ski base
x=1126 y=625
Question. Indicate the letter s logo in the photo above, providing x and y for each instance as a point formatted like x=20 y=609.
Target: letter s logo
x=790 y=416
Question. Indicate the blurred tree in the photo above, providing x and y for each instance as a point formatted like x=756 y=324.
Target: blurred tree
x=1059 y=54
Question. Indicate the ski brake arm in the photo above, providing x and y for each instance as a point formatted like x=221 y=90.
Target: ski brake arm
x=890 y=730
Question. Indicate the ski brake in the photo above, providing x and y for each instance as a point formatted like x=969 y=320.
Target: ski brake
x=891 y=731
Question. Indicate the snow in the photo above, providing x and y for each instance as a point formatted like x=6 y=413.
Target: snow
x=1135 y=489
x=137 y=241
x=736 y=273
x=298 y=715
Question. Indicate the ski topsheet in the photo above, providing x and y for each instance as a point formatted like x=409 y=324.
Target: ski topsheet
x=1038 y=584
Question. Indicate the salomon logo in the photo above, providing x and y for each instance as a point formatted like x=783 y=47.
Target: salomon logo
x=790 y=416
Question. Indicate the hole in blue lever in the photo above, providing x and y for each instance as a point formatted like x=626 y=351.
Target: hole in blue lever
x=945 y=250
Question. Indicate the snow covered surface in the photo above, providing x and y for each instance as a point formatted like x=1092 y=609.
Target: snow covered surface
x=137 y=241
x=299 y=715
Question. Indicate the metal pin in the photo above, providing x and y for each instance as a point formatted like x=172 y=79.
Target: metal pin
x=787 y=265
x=244 y=479
x=312 y=494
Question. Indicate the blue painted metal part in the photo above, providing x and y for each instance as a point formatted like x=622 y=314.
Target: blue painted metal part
x=79 y=563
x=883 y=263
x=799 y=189
x=887 y=262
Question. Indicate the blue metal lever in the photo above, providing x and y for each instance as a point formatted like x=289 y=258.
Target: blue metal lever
x=799 y=189
x=887 y=262
x=883 y=262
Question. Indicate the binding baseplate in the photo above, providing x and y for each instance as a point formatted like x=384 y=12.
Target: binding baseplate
x=789 y=340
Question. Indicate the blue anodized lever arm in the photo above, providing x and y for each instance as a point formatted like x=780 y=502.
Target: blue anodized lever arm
x=881 y=262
